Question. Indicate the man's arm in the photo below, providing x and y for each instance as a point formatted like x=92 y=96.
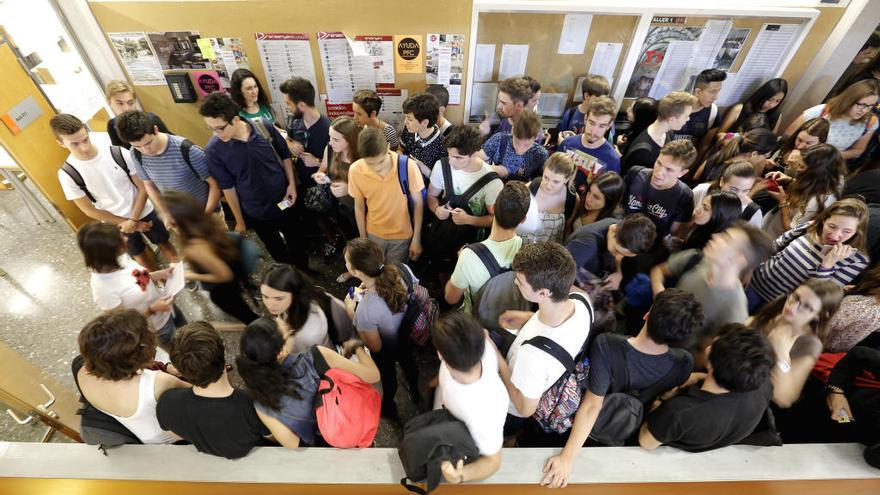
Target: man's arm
x=646 y=439
x=291 y=180
x=451 y=293
x=156 y=197
x=232 y=199
x=140 y=200
x=360 y=215
x=526 y=406
x=480 y=469
x=90 y=211
x=213 y=195
x=658 y=277
x=415 y=246
x=558 y=468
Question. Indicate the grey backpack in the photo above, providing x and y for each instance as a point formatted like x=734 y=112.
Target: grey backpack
x=498 y=294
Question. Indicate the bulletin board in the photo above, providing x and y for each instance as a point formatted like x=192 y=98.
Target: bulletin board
x=244 y=18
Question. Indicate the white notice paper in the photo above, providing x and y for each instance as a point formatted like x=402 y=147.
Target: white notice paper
x=381 y=50
x=176 y=279
x=673 y=75
x=604 y=61
x=762 y=62
x=575 y=30
x=344 y=71
x=482 y=100
x=708 y=45
x=285 y=55
x=552 y=104
x=140 y=60
x=484 y=62
x=513 y=61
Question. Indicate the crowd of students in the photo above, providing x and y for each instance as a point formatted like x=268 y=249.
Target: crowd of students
x=681 y=277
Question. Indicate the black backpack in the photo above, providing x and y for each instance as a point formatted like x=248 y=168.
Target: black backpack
x=185 y=146
x=98 y=427
x=498 y=294
x=428 y=440
x=115 y=152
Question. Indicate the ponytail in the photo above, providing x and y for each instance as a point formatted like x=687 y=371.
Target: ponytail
x=391 y=289
x=364 y=255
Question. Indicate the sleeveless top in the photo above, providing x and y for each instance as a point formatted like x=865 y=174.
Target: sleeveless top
x=143 y=422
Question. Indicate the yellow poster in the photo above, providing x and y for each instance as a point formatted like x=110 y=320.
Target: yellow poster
x=408 y=53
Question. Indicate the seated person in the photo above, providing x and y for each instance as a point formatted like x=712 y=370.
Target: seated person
x=848 y=401
x=726 y=406
x=517 y=156
x=213 y=415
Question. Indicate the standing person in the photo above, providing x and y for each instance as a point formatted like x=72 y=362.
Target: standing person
x=442 y=94
x=421 y=138
x=591 y=152
x=292 y=296
x=766 y=100
x=256 y=173
x=641 y=114
x=572 y=121
x=600 y=200
x=513 y=97
x=599 y=248
x=248 y=94
x=366 y=105
x=850 y=116
x=554 y=202
x=103 y=184
x=517 y=155
x=755 y=147
x=341 y=152
x=715 y=213
x=120 y=95
x=704 y=118
x=308 y=132
x=380 y=205
x=738 y=178
x=168 y=163
x=673 y=111
x=215 y=257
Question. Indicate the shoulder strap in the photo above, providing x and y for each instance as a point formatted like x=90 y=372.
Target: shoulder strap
x=403 y=174
x=566 y=118
x=116 y=153
x=77 y=179
x=448 y=189
x=476 y=187
x=486 y=256
x=262 y=127
x=619 y=371
x=692 y=262
x=570 y=202
x=407 y=279
x=713 y=112
x=185 y=146
x=750 y=211
x=329 y=153
x=577 y=296
x=554 y=349
x=534 y=185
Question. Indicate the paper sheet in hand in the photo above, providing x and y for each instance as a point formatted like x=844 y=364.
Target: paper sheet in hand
x=175 y=281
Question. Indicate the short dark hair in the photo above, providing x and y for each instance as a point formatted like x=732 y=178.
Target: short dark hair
x=526 y=125
x=133 y=126
x=636 y=233
x=423 y=106
x=65 y=124
x=198 y=353
x=372 y=142
x=219 y=105
x=368 y=100
x=459 y=339
x=595 y=85
x=440 y=92
x=682 y=150
x=760 y=245
x=674 y=315
x=100 y=244
x=117 y=344
x=512 y=204
x=517 y=88
x=546 y=265
x=741 y=358
x=709 y=76
x=465 y=138
x=298 y=90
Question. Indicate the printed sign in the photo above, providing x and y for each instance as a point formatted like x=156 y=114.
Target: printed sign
x=207 y=82
x=22 y=115
x=408 y=53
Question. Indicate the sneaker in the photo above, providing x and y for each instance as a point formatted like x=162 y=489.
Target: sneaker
x=191 y=285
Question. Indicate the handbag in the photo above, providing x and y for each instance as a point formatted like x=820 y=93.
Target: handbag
x=319 y=198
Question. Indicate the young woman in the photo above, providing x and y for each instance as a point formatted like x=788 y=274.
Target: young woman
x=601 y=200
x=120 y=282
x=851 y=121
x=378 y=307
x=795 y=325
x=284 y=383
x=641 y=114
x=553 y=202
x=290 y=295
x=831 y=248
x=738 y=178
x=755 y=147
x=810 y=133
x=116 y=347
x=859 y=314
x=715 y=213
x=247 y=92
x=765 y=100
x=213 y=255
x=819 y=179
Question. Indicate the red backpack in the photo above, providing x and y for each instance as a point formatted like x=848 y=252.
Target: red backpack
x=347 y=409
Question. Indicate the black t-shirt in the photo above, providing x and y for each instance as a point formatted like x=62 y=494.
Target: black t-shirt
x=222 y=426
x=644 y=370
x=588 y=246
x=642 y=151
x=675 y=204
x=867 y=184
x=314 y=140
x=696 y=421
x=697 y=125
x=115 y=140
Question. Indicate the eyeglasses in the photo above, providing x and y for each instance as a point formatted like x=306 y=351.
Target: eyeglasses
x=863 y=106
x=220 y=129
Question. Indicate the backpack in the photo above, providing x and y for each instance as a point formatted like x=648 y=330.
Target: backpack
x=428 y=440
x=262 y=126
x=339 y=325
x=98 y=427
x=403 y=179
x=421 y=309
x=185 y=146
x=116 y=153
x=498 y=294
x=347 y=408
x=557 y=406
x=623 y=410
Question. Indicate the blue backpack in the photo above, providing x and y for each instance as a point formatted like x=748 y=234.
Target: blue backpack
x=403 y=178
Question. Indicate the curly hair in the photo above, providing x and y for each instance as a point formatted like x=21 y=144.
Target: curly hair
x=117 y=344
x=674 y=316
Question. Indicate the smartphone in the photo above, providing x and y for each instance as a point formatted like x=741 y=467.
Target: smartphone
x=772 y=185
x=285 y=204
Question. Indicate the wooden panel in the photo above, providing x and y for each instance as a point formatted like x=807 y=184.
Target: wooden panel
x=825 y=23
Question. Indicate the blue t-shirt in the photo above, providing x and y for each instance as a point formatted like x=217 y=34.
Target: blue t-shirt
x=589 y=162
x=170 y=172
x=314 y=140
x=298 y=413
x=253 y=169
x=499 y=150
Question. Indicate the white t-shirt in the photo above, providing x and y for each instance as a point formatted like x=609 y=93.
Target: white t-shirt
x=700 y=194
x=106 y=180
x=484 y=198
x=842 y=132
x=129 y=287
x=481 y=405
x=533 y=370
x=313 y=331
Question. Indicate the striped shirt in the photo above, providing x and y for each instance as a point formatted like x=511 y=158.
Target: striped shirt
x=799 y=258
x=170 y=172
x=391 y=136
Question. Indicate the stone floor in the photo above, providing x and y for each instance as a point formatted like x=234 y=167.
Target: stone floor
x=45 y=300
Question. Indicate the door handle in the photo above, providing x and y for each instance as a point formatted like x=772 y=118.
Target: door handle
x=43 y=408
x=26 y=421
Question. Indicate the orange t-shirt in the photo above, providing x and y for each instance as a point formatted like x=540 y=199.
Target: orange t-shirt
x=387 y=213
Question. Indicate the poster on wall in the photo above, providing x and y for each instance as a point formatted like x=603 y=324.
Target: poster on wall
x=138 y=58
x=381 y=50
x=408 y=53
x=226 y=55
x=444 y=61
x=731 y=47
x=285 y=55
x=653 y=53
x=392 y=105
x=763 y=62
x=179 y=50
x=344 y=71
x=206 y=82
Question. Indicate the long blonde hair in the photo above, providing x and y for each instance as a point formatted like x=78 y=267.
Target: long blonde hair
x=839 y=105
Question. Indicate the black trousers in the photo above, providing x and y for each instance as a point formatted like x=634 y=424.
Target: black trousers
x=291 y=248
x=228 y=297
x=386 y=360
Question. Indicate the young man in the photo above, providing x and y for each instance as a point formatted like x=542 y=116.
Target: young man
x=517 y=156
x=421 y=139
x=470 y=273
x=120 y=95
x=212 y=415
x=650 y=363
x=572 y=121
x=714 y=276
x=256 y=174
x=729 y=403
x=442 y=94
x=544 y=275
x=590 y=151
x=658 y=193
x=599 y=248
x=513 y=97
x=160 y=162
x=704 y=116
x=309 y=131
x=109 y=190
x=673 y=111
x=471 y=390
x=380 y=208
x=366 y=105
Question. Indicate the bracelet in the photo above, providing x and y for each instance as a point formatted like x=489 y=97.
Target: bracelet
x=833 y=389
